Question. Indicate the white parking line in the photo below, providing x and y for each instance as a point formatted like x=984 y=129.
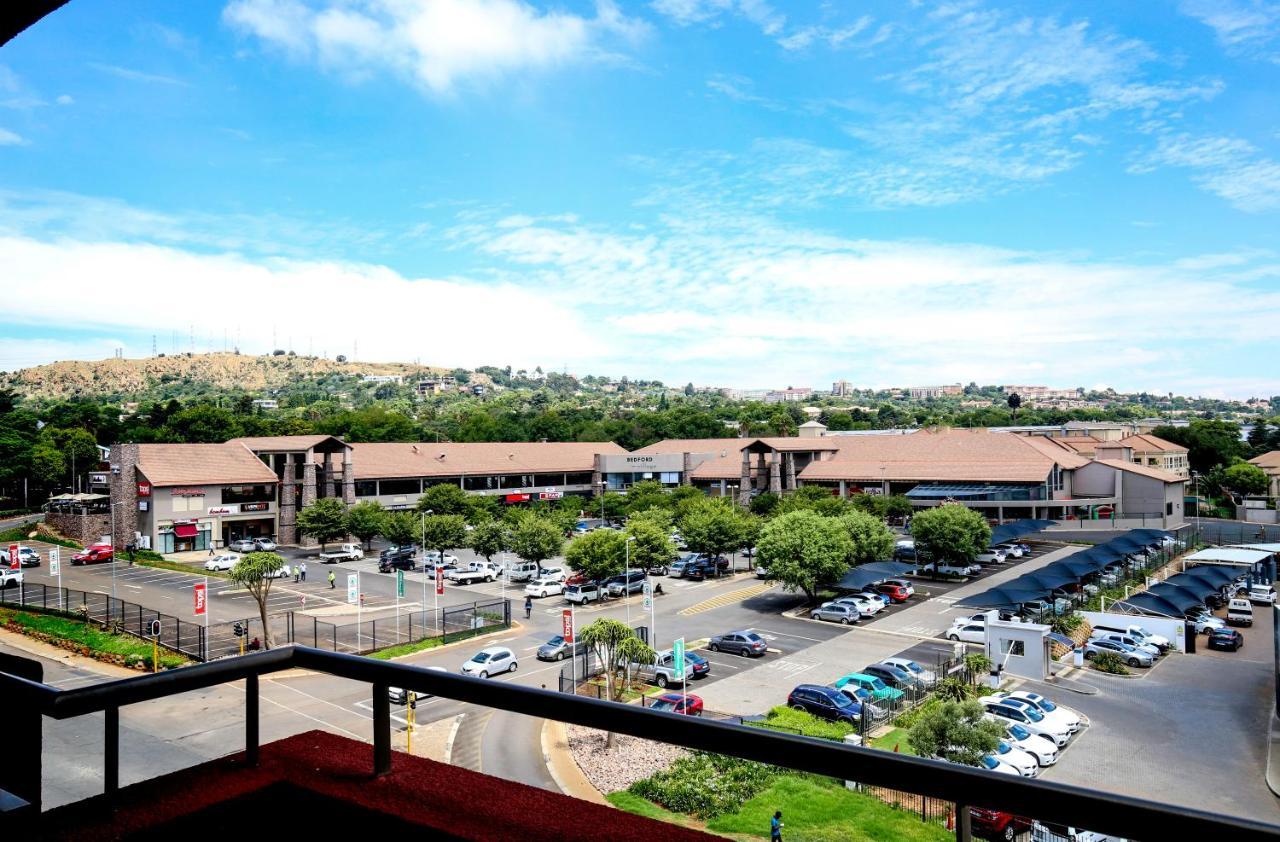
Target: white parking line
x=369 y=707
x=790 y=634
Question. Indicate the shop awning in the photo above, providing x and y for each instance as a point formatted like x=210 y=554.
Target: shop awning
x=184 y=530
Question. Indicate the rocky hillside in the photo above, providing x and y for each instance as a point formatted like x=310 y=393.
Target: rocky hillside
x=127 y=378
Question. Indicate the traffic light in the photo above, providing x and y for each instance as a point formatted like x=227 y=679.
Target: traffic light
x=413 y=700
x=238 y=630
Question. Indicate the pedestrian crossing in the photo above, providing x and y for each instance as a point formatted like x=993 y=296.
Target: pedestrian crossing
x=726 y=599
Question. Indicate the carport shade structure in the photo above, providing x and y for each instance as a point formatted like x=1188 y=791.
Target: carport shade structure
x=1211 y=574
x=1017 y=529
x=1192 y=584
x=1149 y=603
x=1184 y=599
x=868 y=574
x=1078 y=567
x=1045 y=579
x=1003 y=596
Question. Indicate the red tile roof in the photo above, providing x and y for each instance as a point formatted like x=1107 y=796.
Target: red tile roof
x=201 y=464
x=1144 y=470
x=383 y=460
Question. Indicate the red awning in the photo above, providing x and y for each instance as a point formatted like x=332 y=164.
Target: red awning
x=184 y=530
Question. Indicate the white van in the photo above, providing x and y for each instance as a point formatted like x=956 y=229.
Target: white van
x=1239 y=613
x=521 y=571
x=1262 y=594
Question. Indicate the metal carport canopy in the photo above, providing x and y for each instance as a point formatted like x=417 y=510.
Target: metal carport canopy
x=1194 y=584
x=1212 y=573
x=1231 y=555
x=1180 y=597
x=1003 y=596
x=1078 y=566
x=1047 y=578
x=858 y=578
x=1151 y=604
x=1267 y=548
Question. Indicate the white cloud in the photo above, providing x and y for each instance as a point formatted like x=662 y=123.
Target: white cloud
x=1231 y=168
x=1243 y=27
x=436 y=44
x=133 y=75
x=65 y=99
x=8 y=138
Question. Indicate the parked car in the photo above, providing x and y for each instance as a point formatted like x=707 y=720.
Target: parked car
x=689 y=705
x=1205 y=622
x=832 y=612
x=900 y=679
x=905 y=584
x=677 y=568
x=701 y=666
x=865 y=607
x=1228 y=640
x=27 y=557
x=1011 y=550
x=1032 y=720
x=895 y=593
x=93 y=554
x=344 y=552
x=520 y=570
x=1116 y=637
x=873 y=685
x=627 y=583
x=584 y=594
x=264 y=545
x=928 y=677
x=1239 y=612
x=994 y=764
x=743 y=643
x=226 y=561
x=1262 y=595
x=1131 y=655
x=10 y=578
x=1053 y=832
x=1043 y=749
x=1138 y=632
x=400 y=696
x=544 y=587
x=1017 y=758
x=991 y=556
x=996 y=825
x=490 y=661
x=557 y=573
x=664 y=670
x=762 y=572
x=397 y=558
x=434 y=558
x=873 y=596
x=557 y=649
x=825 y=703
x=874 y=712
x=1046 y=706
x=951 y=569
x=242 y=545
x=969 y=633
x=904 y=551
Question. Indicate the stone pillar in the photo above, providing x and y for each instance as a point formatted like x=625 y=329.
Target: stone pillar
x=744 y=481
x=308 y=483
x=123 y=467
x=686 y=467
x=597 y=476
x=348 y=479
x=286 y=524
x=789 y=461
x=762 y=473
x=326 y=477
x=775 y=473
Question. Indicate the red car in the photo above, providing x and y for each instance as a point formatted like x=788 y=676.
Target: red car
x=677 y=703
x=92 y=554
x=896 y=593
x=993 y=824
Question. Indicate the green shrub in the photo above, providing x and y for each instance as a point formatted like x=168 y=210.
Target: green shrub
x=953 y=689
x=705 y=785
x=909 y=718
x=801 y=722
x=1109 y=662
x=1066 y=624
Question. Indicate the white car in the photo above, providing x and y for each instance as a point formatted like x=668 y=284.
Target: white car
x=1048 y=707
x=991 y=556
x=927 y=676
x=1032 y=720
x=1262 y=595
x=283 y=572
x=1026 y=765
x=1013 y=550
x=491 y=661
x=1043 y=749
x=1206 y=623
x=557 y=573
x=866 y=607
x=969 y=633
x=400 y=696
x=10 y=578
x=432 y=558
x=226 y=561
x=991 y=764
x=264 y=545
x=1057 y=717
x=951 y=570
x=541 y=587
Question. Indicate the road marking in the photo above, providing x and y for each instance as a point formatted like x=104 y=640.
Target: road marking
x=322 y=722
x=366 y=706
x=790 y=667
x=726 y=599
x=790 y=634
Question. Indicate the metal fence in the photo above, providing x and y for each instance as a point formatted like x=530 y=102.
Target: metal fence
x=578 y=676
x=176 y=634
x=453 y=622
x=1235 y=532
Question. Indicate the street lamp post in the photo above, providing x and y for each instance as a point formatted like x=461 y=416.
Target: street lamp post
x=424 y=571
x=602 y=484
x=626 y=588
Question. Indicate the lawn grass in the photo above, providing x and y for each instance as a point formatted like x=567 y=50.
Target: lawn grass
x=898 y=737
x=821 y=810
x=165 y=564
x=98 y=642
x=627 y=802
x=20 y=534
x=406 y=648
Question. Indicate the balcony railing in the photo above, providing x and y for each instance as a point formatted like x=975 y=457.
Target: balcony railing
x=26 y=700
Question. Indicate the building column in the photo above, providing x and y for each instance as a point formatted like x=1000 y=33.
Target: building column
x=744 y=482
x=1000 y=513
x=687 y=468
x=775 y=473
x=348 y=479
x=286 y=526
x=326 y=476
x=762 y=473
x=723 y=487
x=789 y=461
x=123 y=481
x=844 y=489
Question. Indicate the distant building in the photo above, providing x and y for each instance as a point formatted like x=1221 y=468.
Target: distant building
x=925 y=392
x=266 y=403
x=788 y=395
x=1030 y=394
x=436 y=385
x=382 y=378
x=841 y=389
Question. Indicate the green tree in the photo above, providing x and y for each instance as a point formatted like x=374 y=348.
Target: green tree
x=1244 y=478
x=898 y=506
x=444 y=499
x=804 y=551
x=651 y=547
x=490 y=538
x=957 y=731
x=443 y=533
x=608 y=637
x=597 y=555
x=870 y=539
x=950 y=533
x=1208 y=442
x=365 y=520
x=535 y=538
x=401 y=528
x=646 y=494
x=714 y=528
x=256 y=571
x=1259 y=436
x=48 y=466
x=324 y=520
x=765 y=504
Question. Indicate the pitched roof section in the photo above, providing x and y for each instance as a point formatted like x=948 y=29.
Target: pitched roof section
x=1144 y=470
x=384 y=460
x=735 y=445
x=1145 y=443
x=201 y=464
x=283 y=444
x=1063 y=455
x=1267 y=460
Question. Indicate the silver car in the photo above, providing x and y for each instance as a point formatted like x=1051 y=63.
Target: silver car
x=1131 y=655
x=557 y=649
x=836 y=613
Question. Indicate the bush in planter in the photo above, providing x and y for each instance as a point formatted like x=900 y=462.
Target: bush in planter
x=952 y=689
x=1066 y=624
x=706 y=785
x=1109 y=662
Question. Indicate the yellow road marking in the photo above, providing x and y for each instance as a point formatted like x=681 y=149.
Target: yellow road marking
x=726 y=599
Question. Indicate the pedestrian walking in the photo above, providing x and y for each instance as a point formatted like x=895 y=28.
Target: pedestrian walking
x=332 y=579
x=528 y=607
x=304 y=571
x=775 y=827
x=296 y=573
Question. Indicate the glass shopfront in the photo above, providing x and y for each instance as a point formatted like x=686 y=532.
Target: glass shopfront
x=185 y=537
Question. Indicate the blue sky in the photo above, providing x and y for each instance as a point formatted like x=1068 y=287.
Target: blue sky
x=733 y=192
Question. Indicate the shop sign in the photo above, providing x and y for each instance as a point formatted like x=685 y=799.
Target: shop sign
x=187 y=492
x=144 y=489
x=516 y=498
x=254 y=507
x=98 y=478
x=551 y=495
x=225 y=510
x=144 y=505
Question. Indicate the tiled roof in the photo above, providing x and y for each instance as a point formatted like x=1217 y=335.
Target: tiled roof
x=1267 y=460
x=1145 y=443
x=283 y=443
x=1066 y=457
x=1144 y=470
x=1080 y=444
x=735 y=445
x=201 y=464
x=381 y=460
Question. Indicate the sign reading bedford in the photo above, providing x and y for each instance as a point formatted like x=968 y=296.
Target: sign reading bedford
x=629 y=463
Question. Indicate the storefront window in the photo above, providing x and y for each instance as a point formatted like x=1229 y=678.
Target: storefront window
x=517 y=481
x=248 y=493
x=579 y=478
x=400 y=486
x=548 y=479
x=480 y=483
x=367 y=488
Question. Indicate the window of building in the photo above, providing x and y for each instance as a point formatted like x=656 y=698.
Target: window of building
x=1012 y=647
x=517 y=481
x=549 y=479
x=579 y=478
x=367 y=488
x=1168 y=508
x=248 y=493
x=669 y=477
x=400 y=486
x=1055 y=478
x=479 y=483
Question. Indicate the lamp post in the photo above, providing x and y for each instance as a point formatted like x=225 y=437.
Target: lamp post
x=424 y=570
x=602 y=484
x=627 y=579
x=1195 y=483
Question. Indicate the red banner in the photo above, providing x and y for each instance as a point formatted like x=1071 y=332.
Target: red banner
x=13 y=557
x=566 y=619
x=439 y=580
x=201 y=605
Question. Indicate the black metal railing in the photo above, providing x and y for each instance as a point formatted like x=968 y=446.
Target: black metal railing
x=28 y=700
